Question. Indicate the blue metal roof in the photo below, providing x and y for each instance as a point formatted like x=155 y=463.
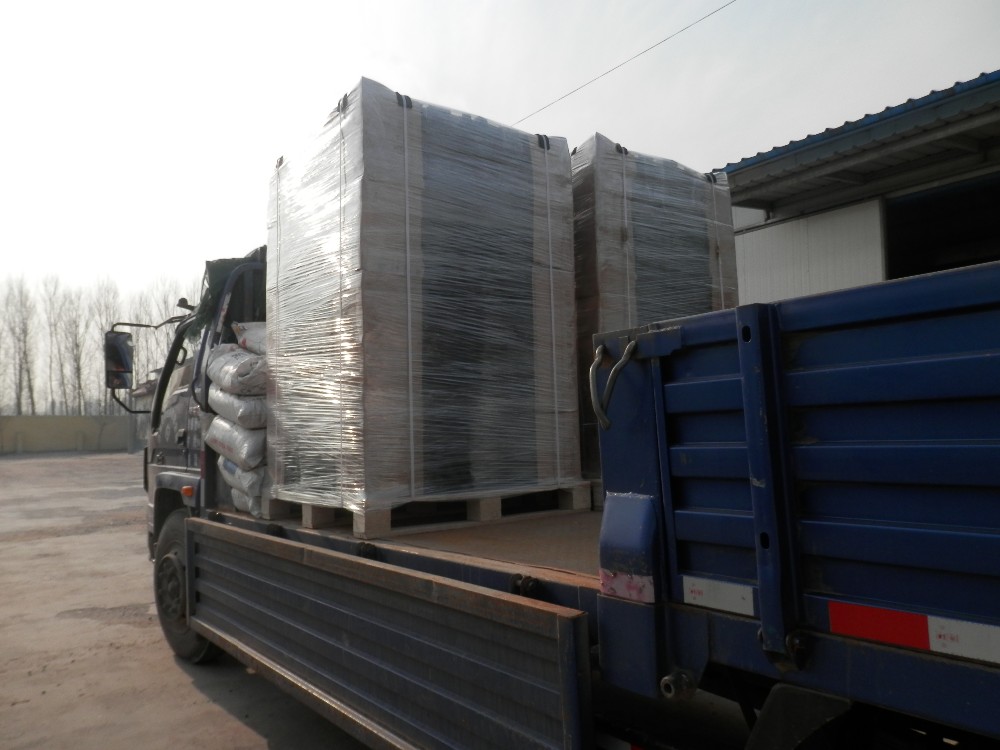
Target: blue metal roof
x=943 y=135
x=888 y=113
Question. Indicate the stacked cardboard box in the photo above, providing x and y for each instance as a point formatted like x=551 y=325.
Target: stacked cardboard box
x=420 y=291
x=654 y=241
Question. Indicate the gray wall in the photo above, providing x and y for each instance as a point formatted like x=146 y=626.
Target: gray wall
x=42 y=434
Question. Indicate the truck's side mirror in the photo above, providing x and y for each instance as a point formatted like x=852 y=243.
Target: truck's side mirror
x=118 y=351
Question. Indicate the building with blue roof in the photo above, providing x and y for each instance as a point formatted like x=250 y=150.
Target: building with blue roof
x=909 y=190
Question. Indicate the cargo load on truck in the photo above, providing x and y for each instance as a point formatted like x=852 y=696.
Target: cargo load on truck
x=653 y=241
x=420 y=281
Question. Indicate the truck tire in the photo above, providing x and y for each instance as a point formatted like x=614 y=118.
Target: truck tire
x=169 y=588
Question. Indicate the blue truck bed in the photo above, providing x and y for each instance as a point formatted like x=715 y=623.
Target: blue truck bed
x=817 y=484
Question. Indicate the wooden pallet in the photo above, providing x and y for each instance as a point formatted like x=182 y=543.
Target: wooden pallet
x=435 y=512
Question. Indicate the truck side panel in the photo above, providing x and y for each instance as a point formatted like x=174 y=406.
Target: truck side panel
x=830 y=486
x=402 y=659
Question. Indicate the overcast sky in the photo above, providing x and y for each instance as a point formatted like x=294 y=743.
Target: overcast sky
x=139 y=137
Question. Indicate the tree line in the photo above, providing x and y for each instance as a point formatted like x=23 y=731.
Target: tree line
x=52 y=341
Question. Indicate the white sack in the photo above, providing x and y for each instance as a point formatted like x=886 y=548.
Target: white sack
x=251 y=336
x=243 y=501
x=235 y=370
x=243 y=447
x=248 y=482
x=246 y=411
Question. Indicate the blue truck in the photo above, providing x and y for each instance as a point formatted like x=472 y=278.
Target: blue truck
x=801 y=529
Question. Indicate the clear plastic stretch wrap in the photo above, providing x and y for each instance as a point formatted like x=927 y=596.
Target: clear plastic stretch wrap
x=420 y=309
x=654 y=241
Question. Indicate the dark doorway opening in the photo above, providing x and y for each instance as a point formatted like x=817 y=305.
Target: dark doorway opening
x=948 y=227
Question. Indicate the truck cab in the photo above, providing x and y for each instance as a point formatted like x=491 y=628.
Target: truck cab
x=174 y=466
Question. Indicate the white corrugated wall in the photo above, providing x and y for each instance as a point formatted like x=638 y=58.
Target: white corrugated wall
x=819 y=253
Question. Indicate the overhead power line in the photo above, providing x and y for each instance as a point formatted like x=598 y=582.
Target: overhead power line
x=626 y=62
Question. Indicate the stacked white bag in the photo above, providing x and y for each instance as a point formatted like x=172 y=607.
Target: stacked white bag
x=238 y=432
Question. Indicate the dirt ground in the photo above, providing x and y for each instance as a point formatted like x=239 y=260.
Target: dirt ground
x=82 y=661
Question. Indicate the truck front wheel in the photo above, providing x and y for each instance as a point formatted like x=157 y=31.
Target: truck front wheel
x=169 y=583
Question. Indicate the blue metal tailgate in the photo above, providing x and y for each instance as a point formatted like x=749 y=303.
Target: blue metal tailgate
x=827 y=474
x=399 y=658
x=892 y=406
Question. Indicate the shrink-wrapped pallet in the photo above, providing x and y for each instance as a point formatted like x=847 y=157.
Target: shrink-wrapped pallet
x=420 y=309
x=654 y=241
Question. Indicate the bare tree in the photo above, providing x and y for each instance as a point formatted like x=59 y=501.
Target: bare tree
x=19 y=322
x=52 y=300
x=4 y=346
x=163 y=299
x=51 y=341
x=105 y=309
x=74 y=334
x=146 y=357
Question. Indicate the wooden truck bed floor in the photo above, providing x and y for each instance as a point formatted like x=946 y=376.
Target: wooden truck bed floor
x=559 y=540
